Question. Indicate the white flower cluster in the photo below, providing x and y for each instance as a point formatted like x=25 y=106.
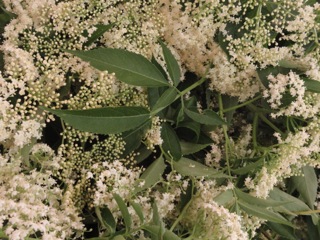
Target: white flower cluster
x=297 y=150
x=208 y=219
x=33 y=204
x=290 y=88
x=114 y=178
x=91 y=168
x=303 y=24
x=153 y=135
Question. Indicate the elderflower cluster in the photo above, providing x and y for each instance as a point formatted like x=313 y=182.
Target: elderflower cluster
x=28 y=130
x=208 y=219
x=32 y=204
x=153 y=135
x=290 y=88
x=48 y=183
x=295 y=151
x=136 y=29
x=227 y=78
x=37 y=69
x=115 y=177
x=303 y=27
x=189 y=27
x=258 y=31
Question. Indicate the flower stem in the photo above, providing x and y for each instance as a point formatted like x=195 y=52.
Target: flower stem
x=254 y=130
x=242 y=104
x=184 y=209
x=225 y=128
x=263 y=118
x=196 y=84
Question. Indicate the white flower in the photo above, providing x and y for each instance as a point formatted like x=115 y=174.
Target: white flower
x=29 y=129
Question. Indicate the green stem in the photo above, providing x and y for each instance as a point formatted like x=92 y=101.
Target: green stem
x=241 y=105
x=165 y=154
x=64 y=130
x=263 y=118
x=267 y=121
x=180 y=94
x=258 y=15
x=196 y=84
x=184 y=209
x=254 y=130
x=316 y=36
x=225 y=129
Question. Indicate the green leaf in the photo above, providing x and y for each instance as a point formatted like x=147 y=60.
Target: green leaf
x=307 y=185
x=208 y=117
x=128 y=67
x=138 y=209
x=104 y=120
x=160 y=68
x=172 y=64
x=294 y=206
x=106 y=219
x=101 y=29
x=205 y=139
x=229 y=102
x=264 y=213
x=154 y=95
x=313 y=229
x=293 y=65
x=156 y=219
x=311 y=85
x=235 y=208
x=245 y=197
x=224 y=197
x=133 y=138
x=284 y=231
x=168 y=235
x=154 y=230
x=191 y=168
x=143 y=153
x=248 y=168
x=190 y=130
x=171 y=143
x=180 y=115
x=124 y=211
x=131 y=144
x=152 y=175
x=168 y=97
x=189 y=148
x=118 y=237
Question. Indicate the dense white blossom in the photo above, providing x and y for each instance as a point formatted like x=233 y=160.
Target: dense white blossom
x=44 y=189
